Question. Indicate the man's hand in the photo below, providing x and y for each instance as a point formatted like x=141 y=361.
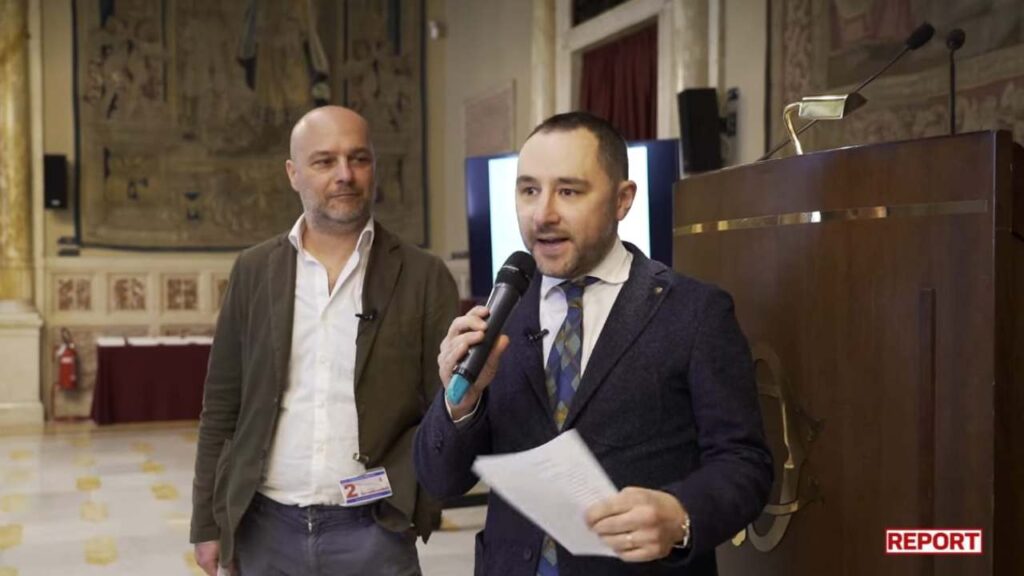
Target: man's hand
x=639 y=524
x=464 y=332
x=207 y=556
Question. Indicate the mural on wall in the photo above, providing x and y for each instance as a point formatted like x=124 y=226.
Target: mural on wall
x=185 y=106
x=381 y=77
x=829 y=46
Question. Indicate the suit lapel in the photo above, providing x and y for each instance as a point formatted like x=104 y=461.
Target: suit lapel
x=634 y=307
x=382 y=273
x=527 y=354
x=281 y=283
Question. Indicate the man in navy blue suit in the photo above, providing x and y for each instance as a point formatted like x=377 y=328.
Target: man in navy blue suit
x=650 y=367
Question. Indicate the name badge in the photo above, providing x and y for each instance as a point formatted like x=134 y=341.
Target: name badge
x=368 y=487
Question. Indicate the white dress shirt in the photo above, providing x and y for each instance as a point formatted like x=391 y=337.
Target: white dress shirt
x=317 y=432
x=598 y=298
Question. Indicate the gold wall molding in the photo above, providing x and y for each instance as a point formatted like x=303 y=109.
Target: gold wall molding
x=15 y=168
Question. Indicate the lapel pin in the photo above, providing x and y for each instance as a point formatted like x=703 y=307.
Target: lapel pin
x=658 y=289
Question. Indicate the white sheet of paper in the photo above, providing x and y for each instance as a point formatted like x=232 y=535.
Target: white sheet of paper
x=553 y=485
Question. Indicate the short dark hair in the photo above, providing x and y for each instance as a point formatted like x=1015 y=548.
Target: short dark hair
x=611 y=146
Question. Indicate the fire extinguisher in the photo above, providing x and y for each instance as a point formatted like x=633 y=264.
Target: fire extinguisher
x=67 y=362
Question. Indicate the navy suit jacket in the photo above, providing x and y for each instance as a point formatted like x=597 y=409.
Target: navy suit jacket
x=668 y=401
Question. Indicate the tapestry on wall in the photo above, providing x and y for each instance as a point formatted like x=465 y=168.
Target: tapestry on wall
x=829 y=46
x=184 y=108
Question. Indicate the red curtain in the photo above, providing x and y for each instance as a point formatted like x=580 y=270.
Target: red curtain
x=619 y=83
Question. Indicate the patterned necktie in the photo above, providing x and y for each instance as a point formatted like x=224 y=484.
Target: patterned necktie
x=563 y=373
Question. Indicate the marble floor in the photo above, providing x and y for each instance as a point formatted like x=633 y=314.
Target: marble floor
x=82 y=500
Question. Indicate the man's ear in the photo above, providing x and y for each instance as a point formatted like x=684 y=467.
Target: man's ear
x=624 y=196
x=289 y=168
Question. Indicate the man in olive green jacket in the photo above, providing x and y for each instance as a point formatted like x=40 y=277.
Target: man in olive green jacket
x=265 y=395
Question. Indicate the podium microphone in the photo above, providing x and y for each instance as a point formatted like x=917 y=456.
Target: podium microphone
x=954 y=41
x=513 y=279
x=919 y=37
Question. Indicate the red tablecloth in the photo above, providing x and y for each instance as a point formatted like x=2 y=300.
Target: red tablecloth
x=143 y=383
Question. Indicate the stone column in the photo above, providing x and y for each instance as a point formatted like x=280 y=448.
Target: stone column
x=542 y=63
x=15 y=190
x=19 y=322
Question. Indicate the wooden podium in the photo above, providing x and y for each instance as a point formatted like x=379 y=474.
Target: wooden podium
x=882 y=290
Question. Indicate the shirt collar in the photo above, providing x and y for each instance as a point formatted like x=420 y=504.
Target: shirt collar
x=612 y=269
x=362 y=245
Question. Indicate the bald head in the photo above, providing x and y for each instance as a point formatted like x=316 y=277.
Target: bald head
x=318 y=122
x=331 y=166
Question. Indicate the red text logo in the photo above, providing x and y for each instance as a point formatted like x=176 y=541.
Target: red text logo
x=942 y=541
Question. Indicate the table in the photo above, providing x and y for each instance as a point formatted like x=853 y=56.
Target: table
x=147 y=379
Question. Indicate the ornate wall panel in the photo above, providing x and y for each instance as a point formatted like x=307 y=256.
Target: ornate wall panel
x=127 y=292
x=220 y=288
x=181 y=292
x=73 y=293
x=129 y=296
x=830 y=46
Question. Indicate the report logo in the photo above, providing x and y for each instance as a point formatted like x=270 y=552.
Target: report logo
x=941 y=541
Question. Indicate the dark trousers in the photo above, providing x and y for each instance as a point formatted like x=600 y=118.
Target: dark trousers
x=275 y=539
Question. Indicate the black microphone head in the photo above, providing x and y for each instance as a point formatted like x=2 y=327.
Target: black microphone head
x=920 y=36
x=955 y=39
x=517 y=271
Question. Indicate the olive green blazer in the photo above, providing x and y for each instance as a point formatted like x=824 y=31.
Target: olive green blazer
x=396 y=378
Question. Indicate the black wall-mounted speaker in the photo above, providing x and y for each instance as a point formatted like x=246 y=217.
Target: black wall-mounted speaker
x=699 y=128
x=55 y=181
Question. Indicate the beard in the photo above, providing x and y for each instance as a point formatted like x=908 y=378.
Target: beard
x=340 y=214
x=578 y=259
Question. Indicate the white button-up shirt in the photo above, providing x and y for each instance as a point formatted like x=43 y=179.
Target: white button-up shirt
x=318 y=428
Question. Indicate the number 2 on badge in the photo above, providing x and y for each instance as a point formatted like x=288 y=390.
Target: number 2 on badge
x=368 y=487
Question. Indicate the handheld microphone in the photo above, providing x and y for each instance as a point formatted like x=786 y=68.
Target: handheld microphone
x=954 y=41
x=919 y=37
x=513 y=278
